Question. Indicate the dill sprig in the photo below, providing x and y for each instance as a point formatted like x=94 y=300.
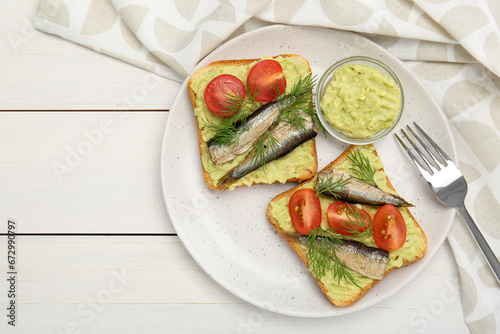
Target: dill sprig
x=234 y=103
x=226 y=132
x=333 y=188
x=319 y=250
x=302 y=91
x=361 y=165
x=228 y=129
x=357 y=220
x=265 y=142
x=322 y=256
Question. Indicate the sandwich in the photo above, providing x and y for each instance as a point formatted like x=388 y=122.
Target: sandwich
x=255 y=121
x=348 y=225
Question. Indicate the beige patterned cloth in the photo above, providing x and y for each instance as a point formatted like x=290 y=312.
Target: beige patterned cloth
x=453 y=46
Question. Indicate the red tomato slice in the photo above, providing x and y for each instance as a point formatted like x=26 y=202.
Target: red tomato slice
x=220 y=91
x=338 y=220
x=305 y=210
x=389 y=228
x=265 y=80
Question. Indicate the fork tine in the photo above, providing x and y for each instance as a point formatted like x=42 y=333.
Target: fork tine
x=401 y=142
x=425 y=173
x=426 y=147
x=438 y=149
x=424 y=158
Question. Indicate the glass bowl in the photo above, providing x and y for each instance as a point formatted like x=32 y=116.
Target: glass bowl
x=328 y=76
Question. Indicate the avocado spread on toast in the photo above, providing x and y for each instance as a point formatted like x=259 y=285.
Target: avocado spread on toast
x=412 y=247
x=280 y=170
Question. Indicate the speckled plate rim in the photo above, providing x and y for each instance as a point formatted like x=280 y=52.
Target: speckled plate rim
x=232 y=241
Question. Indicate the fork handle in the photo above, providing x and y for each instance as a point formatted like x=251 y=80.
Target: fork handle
x=481 y=242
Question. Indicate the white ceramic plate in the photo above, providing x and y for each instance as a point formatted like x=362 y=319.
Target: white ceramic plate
x=227 y=233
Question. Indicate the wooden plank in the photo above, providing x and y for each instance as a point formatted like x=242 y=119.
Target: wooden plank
x=83 y=172
x=80 y=81
x=45 y=72
x=151 y=284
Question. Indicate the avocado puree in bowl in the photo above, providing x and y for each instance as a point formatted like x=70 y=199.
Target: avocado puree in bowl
x=359 y=100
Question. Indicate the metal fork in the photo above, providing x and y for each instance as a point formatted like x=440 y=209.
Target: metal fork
x=449 y=185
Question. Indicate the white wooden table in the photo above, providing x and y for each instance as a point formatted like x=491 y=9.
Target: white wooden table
x=96 y=251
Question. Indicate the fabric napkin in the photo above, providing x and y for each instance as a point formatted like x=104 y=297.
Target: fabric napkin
x=453 y=46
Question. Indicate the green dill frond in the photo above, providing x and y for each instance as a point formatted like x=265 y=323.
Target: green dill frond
x=265 y=144
x=322 y=256
x=303 y=92
x=361 y=165
x=228 y=129
x=304 y=86
x=344 y=274
x=226 y=132
x=327 y=185
x=318 y=250
x=236 y=105
x=356 y=220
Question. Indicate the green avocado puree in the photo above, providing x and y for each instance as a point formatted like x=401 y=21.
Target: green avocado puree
x=361 y=101
x=344 y=291
x=290 y=166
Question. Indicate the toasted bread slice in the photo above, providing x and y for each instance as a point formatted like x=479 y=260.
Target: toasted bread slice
x=346 y=294
x=301 y=164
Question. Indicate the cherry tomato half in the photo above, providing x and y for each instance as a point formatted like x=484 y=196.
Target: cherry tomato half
x=305 y=210
x=389 y=228
x=265 y=80
x=220 y=91
x=338 y=219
